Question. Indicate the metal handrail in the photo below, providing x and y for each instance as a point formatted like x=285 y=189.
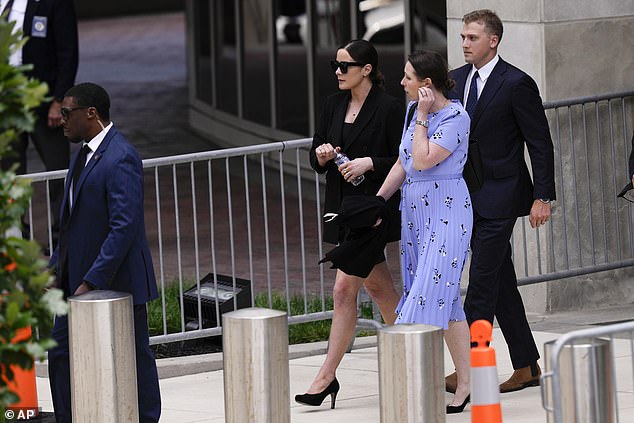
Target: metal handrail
x=586 y=99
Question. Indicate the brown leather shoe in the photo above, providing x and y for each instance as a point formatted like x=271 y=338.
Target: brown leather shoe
x=522 y=378
x=451 y=382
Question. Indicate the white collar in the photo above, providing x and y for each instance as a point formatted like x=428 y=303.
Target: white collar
x=485 y=71
x=94 y=143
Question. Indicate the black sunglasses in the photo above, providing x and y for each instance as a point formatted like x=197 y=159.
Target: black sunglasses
x=66 y=111
x=334 y=64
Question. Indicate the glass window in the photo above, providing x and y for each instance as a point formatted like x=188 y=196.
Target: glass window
x=430 y=26
x=292 y=68
x=216 y=48
x=226 y=65
x=202 y=51
x=256 y=31
x=330 y=33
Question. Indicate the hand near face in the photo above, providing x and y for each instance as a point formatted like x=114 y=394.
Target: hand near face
x=425 y=100
x=325 y=153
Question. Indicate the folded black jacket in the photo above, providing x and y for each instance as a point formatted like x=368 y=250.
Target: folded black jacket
x=363 y=244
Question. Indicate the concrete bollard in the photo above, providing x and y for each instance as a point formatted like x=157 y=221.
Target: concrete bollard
x=411 y=374
x=255 y=356
x=102 y=358
x=587 y=392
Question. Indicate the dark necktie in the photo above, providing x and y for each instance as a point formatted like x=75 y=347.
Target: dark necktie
x=472 y=100
x=80 y=163
x=7 y=10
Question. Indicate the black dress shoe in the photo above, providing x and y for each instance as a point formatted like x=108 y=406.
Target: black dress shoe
x=317 y=399
x=454 y=409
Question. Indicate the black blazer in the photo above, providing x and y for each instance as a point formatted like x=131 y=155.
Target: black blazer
x=55 y=56
x=376 y=133
x=509 y=113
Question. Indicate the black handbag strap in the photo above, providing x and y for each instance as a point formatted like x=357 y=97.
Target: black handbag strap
x=410 y=113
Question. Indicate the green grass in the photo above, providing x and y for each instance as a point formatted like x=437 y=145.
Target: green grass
x=172 y=311
x=297 y=333
x=302 y=332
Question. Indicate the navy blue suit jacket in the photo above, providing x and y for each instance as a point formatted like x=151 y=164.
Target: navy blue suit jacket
x=105 y=237
x=509 y=114
x=55 y=56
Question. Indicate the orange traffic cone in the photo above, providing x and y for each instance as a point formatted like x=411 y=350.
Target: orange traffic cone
x=23 y=384
x=485 y=390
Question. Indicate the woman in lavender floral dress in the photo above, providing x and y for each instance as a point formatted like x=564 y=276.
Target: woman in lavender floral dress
x=436 y=214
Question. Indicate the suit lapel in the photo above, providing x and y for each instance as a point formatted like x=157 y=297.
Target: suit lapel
x=365 y=116
x=461 y=75
x=493 y=84
x=31 y=7
x=94 y=160
x=65 y=200
x=337 y=122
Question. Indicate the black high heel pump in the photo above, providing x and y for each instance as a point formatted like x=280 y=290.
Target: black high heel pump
x=453 y=409
x=317 y=399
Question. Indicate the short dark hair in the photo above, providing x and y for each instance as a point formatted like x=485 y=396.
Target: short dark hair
x=363 y=51
x=88 y=94
x=491 y=21
x=430 y=64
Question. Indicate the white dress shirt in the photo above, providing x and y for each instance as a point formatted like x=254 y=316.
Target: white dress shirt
x=484 y=72
x=93 y=144
x=18 y=10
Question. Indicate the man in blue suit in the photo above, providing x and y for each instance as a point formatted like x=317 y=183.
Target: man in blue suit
x=506 y=116
x=102 y=241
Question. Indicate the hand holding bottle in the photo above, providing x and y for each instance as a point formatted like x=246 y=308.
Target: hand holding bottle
x=346 y=168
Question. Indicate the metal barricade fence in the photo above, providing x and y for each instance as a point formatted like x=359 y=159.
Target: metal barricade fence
x=251 y=216
x=581 y=383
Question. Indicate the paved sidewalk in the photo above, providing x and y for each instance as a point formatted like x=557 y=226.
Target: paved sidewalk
x=199 y=397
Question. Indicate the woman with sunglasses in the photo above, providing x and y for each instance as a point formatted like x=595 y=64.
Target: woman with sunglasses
x=436 y=211
x=365 y=123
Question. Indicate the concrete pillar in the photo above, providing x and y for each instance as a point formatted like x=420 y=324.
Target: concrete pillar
x=255 y=357
x=102 y=357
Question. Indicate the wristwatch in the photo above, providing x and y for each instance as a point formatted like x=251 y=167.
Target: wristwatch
x=424 y=123
x=545 y=200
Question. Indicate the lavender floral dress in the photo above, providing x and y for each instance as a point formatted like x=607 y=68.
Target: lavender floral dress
x=437 y=219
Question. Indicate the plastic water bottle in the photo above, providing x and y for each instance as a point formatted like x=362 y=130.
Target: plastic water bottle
x=341 y=159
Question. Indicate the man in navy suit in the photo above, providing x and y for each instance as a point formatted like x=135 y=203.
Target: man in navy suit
x=102 y=241
x=506 y=116
x=52 y=50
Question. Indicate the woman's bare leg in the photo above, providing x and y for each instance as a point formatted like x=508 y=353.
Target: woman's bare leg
x=343 y=324
x=380 y=287
x=458 y=341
